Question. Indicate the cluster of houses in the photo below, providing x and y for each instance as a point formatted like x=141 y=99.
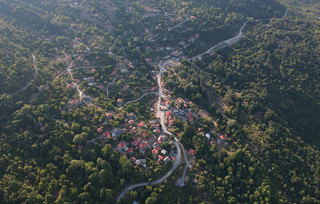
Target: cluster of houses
x=179 y=110
x=142 y=141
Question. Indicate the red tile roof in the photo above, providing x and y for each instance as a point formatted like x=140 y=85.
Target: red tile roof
x=154 y=151
x=141 y=124
x=121 y=145
x=100 y=130
x=192 y=152
x=160 y=157
x=145 y=144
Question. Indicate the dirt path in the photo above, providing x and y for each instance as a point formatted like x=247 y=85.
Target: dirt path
x=34 y=77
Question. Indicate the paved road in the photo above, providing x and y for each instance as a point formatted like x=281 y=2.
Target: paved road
x=171 y=28
x=222 y=44
x=139 y=98
x=160 y=114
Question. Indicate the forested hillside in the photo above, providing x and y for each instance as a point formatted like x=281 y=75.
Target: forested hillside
x=159 y=101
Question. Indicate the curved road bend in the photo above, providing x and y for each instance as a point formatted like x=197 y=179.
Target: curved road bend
x=34 y=77
x=176 y=163
x=139 y=98
x=223 y=44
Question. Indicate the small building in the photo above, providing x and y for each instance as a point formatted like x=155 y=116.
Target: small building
x=155 y=145
x=130 y=150
x=192 y=152
x=109 y=115
x=166 y=160
x=116 y=132
x=160 y=157
x=119 y=101
x=154 y=151
x=74 y=102
x=141 y=162
x=164 y=152
x=133 y=159
x=180 y=182
x=141 y=124
x=99 y=130
x=208 y=136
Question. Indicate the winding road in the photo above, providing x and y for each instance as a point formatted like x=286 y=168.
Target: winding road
x=222 y=44
x=139 y=98
x=34 y=77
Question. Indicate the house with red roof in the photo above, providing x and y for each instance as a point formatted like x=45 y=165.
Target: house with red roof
x=106 y=134
x=69 y=86
x=130 y=122
x=119 y=100
x=130 y=150
x=192 y=152
x=154 y=151
x=141 y=124
x=134 y=143
x=93 y=70
x=120 y=115
x=121 y=145
x=145 y=134
x=158 y=148
x=222 y=137
x=132 y=159
x=160 y=157
x=99 y=130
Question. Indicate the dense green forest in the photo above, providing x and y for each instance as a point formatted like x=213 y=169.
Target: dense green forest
x=79 y=84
